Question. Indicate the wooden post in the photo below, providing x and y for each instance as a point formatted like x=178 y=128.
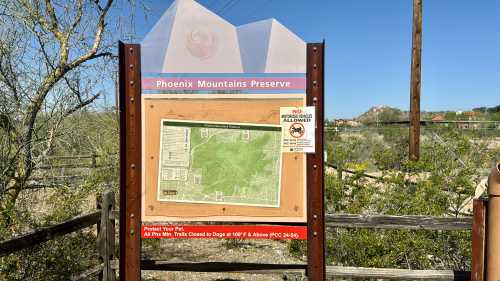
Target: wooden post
x=493 y=225
x=479 y=240
x=130 y=161
x=106 y=235
x=94 y=160
x=416 y=59
x=316 y=270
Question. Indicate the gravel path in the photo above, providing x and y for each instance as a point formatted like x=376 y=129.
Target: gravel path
x=204 y=250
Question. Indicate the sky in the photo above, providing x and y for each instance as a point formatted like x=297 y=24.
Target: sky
x=368 y=48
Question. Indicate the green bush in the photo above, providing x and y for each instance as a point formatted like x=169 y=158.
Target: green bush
x=440 y=184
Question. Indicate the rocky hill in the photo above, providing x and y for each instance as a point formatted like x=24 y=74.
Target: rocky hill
x=493 y=109
x=382 y=114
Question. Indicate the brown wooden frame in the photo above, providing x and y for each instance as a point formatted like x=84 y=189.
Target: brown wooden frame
x=478 y=267
x=315 y=167
x=130 y=163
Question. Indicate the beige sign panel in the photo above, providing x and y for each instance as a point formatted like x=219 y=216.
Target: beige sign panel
x=291 y=204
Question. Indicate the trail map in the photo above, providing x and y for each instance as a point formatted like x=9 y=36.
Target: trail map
x=220 y=163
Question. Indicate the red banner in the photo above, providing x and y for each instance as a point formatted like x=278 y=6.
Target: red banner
x=225 y=232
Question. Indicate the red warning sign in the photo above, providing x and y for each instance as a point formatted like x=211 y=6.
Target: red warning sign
x=225 y=232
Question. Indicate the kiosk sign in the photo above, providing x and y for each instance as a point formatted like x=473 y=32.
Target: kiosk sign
x=298 y=129
x=215 y=127
x=212 y=137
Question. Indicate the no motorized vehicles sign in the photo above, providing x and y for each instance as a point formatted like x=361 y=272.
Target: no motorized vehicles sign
x=298 y=129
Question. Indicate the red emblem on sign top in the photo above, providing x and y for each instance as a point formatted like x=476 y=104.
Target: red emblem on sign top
x=297 y=130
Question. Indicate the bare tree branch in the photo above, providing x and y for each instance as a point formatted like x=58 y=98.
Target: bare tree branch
x=91 y=54
x=48 y=55
x=78 y=18
x=81 y=105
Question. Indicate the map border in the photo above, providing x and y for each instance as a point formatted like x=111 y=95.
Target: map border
x=278 y=205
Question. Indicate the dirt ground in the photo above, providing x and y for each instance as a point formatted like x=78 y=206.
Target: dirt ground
x=217 y=250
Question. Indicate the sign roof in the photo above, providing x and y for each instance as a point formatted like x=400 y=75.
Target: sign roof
x=189 y=38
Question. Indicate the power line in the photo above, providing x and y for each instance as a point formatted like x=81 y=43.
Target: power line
x=213 y=6
x=210 y=5
x=227 y=7
x=230 y=7
x=223 y=7
x=260 y=7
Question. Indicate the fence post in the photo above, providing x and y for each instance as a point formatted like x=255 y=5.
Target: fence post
x=493 y=226
x=478 y=268
x=94 y=160
x=416 y=77
x=106 y=235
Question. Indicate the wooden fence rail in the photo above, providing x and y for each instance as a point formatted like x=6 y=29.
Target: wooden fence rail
x=290 y=270
x=332 y=220
x=398 y=222
x=346 y=272
x=338 y=272
x=338 y=220
x=73 y=157
x=48 y=233
x=91 y=164
x=85 y=275
x=299 y=269
x=105 y=219
x=352 y=172
x=72 y=166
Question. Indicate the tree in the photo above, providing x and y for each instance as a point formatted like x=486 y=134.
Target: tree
x=52 y=57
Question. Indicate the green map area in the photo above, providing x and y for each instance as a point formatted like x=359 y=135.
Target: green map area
x=220 y=163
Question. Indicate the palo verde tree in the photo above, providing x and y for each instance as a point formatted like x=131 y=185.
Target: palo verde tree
x=54 y=56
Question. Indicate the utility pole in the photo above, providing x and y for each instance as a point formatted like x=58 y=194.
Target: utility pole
x=416 y=73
